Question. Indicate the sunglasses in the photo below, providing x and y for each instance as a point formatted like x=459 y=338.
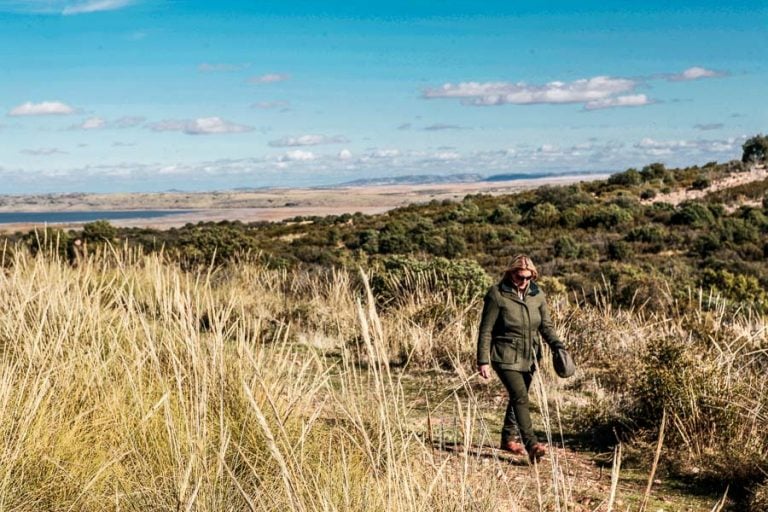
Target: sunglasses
x=520 y=277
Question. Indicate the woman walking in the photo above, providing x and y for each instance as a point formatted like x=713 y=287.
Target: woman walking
x=514 y=319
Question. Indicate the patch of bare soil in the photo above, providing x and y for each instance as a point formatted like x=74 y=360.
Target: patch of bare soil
x=758 y=172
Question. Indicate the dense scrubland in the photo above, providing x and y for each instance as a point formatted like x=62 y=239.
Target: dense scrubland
x=328 y=363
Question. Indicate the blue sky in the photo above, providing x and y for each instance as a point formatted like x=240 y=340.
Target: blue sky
x=143 y=95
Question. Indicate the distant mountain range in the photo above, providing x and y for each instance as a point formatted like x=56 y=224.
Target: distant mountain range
x=414 y=179
x=427 y=179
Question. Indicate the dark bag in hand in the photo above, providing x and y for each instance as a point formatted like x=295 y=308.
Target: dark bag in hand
x=563 y=363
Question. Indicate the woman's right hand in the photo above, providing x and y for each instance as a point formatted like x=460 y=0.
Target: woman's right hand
x=484 y=370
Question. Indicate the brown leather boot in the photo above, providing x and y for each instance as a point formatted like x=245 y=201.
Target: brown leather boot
x=536 y=452
x=513 y=447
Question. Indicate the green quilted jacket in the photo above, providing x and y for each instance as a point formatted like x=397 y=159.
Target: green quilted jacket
x=511 y=328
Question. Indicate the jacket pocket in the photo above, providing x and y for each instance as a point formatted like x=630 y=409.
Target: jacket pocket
x=505 y=352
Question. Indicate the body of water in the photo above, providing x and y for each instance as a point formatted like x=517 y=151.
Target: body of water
x=85 y=216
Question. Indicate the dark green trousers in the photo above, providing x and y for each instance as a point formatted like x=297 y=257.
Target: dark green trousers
x=518 y=414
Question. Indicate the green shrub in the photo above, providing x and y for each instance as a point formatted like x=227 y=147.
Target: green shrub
x=610 y=216
x=628 y=178
x=744 y=290
x=619 y=250
x=99 y=231
x=504 y=215
x=701 y=184
x=544 y=215
x=693 y=214
x=398 y=276
x=653 y=171
x=566 y=247
x=649 y=234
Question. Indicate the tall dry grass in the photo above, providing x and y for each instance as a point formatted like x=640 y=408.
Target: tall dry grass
x=127 y=384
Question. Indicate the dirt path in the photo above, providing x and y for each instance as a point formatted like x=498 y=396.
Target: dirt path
x=572 y=480
x=572 y=477
x=758 y=172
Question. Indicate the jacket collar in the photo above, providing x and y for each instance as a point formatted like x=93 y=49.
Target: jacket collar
x=533 y=288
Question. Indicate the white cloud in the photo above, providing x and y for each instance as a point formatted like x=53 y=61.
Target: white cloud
x=649 y=143
x=345 y=154
x=385 y=153
x=695 y=73
x=297 y=155
x=45 y=108
x=199 y=126
x=89 y=6
x=547 y=148
x=93 y=123
x=633 y=100
x=447 y=155
x=520 y=93
x=268 y=78
x=209 y=125
x=307 y=140
x=686 y=151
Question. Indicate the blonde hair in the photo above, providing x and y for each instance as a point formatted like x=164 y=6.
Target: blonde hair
x=521 y=262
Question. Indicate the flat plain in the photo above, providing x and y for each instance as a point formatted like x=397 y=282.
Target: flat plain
x=265 y=204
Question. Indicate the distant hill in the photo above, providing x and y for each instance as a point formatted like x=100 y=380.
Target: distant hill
x=538 y=175
x=426 y=179
x=419 y=179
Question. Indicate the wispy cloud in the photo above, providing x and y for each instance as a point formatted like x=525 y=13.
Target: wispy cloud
x=269 y=78
x=64 y=7
x=708 y=126
x=269 y=105
x=92 y=123
x=99 y=123
x=443 y=126
x=127 y=122
x=633 y=100
x=207 y=67
x=43 y=152
x=200 y=126
x=307 y=140
x=45 y=108
x=694 y=73
x=89 y=6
